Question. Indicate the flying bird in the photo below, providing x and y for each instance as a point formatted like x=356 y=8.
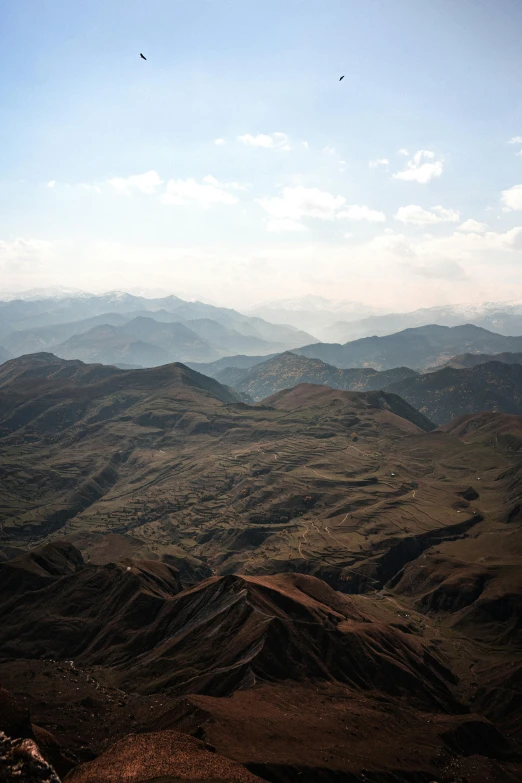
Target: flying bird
x=142 y=56
x=342 y=77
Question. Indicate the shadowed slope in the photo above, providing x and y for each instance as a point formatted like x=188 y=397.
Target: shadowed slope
x=445 y=394
x=223 y=634
x=289 y=369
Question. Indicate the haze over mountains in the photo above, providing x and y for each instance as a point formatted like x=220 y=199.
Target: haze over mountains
x=341 y=321
x=422 y=348
x=128 y=329
x=419 y=348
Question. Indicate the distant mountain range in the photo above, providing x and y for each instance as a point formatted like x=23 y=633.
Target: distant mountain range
x=441 y=395
x=473 y=359
x=419 y=348
x=289 y=369
x=501 y=317
x=341 y=320
x=120 y=328
x=424 y=349
x=313 y=313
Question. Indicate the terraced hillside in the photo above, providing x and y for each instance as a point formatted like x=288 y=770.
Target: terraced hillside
x=177 y=594
x=344 y=485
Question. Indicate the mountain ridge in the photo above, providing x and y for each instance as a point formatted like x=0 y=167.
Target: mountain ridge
x=289 y=369
x=419 y=347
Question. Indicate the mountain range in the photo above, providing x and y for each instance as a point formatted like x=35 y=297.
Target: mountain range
x=321 y=586
x=341 y=321
x=441 y=395
x=448 y=393
x=289 y=369
x=419 y=348
x=473 y=359
x=312 y=313
x=121 y=328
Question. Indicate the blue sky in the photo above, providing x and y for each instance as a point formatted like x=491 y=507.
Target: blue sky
x=364 y=189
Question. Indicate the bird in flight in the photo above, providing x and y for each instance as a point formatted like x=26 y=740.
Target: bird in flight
x=342 y=77
x=142 y=56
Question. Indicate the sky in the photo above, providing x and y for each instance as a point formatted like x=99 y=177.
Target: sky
x=234 y=165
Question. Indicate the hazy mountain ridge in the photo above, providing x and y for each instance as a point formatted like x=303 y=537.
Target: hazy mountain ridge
x=501 y=317
x=4 y=355
x=342 y=321
x=441 y=395
x=418 y=348
x=198 y=332
x=239 y=362
x=289 y=369
x=312 y=313
x=467 y=360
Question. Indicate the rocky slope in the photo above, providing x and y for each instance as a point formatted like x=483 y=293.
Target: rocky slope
x=445 y=394
x=280 y=674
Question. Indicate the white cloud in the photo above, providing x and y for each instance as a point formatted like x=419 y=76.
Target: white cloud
x=278 y=141
x=348 y=236
x=512 y=239
x=362 y=212
x=422 y=168
x=219 y=142
x=404 y=151
x=210 y=180
x=206 y=193
x=417 y=216
x=24 y=258
x=296 y=203
x=279 y=226
x=51 y=183
x=473 y=226
x=329 y=150
x=519 y=154
x=147 y=183
x=374 y=164
x=300 y=202
x=396 y=244
x=515 y=140
x=512 y=198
